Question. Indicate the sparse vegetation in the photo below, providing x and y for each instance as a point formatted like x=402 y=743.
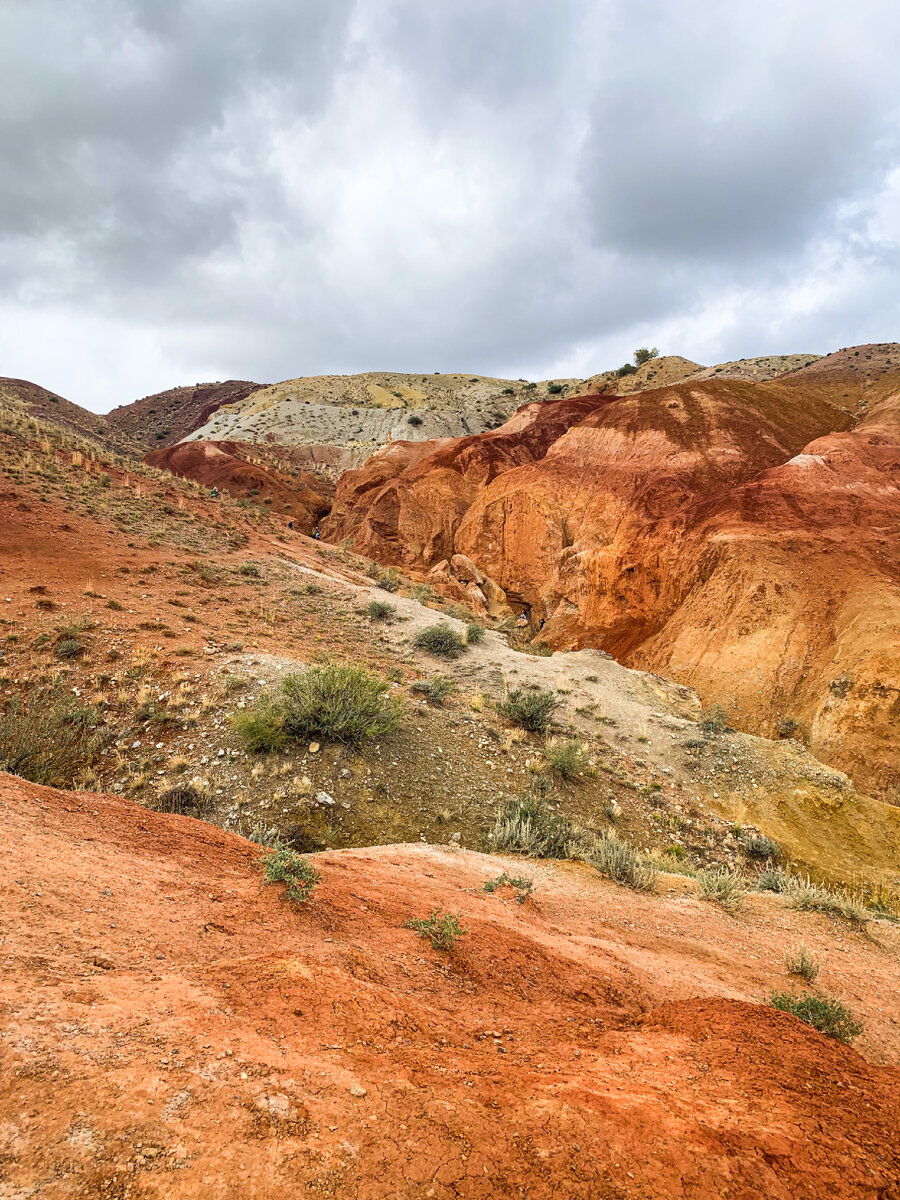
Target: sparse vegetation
x=803 y=894
x=723 y=886
x=286 y=866
x=442 y=929
x=568 y=760
x=389 y=581
x=183 y=799
x=379 y=610
x=530 y=710
x=802 y=962
x=51 y=738
x=436 y=691
x=69 y=647
x=261 y=728
x=822 y=1013
x=345 y=703
x=522 y=886
x=713 y=720
x=475 y=633
x=440 y=640
x=759 y=846
x=529 y=826
x=643 y=355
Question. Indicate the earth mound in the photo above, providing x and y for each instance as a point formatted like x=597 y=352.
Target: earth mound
x=224 y=465
x=193 y=1034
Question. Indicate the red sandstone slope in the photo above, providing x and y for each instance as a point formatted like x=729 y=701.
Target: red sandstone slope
x=172 y=1031
x=678 y=529
x=303 y=498
x=166 y=417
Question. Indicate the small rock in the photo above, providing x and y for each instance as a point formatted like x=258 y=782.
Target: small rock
x=455 y=837
x=314 y=747
x=346 y=773
x=357 y=1091
x=324 y=798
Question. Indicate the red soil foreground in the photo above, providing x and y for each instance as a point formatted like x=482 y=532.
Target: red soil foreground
x=171 y=1030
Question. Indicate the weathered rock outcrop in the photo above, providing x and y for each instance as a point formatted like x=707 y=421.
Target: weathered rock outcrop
x=740 y=536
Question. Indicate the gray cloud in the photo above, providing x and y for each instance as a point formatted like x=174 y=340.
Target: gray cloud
x=267 y=188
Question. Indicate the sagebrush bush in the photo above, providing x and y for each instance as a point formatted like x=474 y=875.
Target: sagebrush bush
x=801 y=893
x=722 y=886
x=529 y=826
x=286 y=866
x=440 y=640
x=436 y=691
x=567 y=759
x=530 y=710
x=759 y=846
x=442 y=929
x=379 y=610
x=344 y=703
x=828 y=1016
x=802 y=962
x=69 y=648
x=50 y=738
x=475 y=633
x=261 y=728
x=620 y=862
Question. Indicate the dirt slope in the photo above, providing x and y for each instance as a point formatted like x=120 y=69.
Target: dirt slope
x=170 y=1030
x=227 y=466
x=166 y=417
x=47 y=406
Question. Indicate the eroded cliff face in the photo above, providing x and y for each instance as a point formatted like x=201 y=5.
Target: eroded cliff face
x=739 y=536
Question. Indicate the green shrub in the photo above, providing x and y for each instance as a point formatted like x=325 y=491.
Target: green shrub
x=389 y=581
x=626 y=369
x=555 y=389
x=802 y=962
x=442 y=929
x=786 y=726
x=379 y=610
x=436 y=691
x=530 y=710
x=773 y=879
x=759 y=846
x=250 y=569
x=620 y=862
x=568 y=760
x=440 y=640
x=261 y=728
x=529 y=826
x=722 y=886
x=286 y=866
x=415 y=420
x=346 y=704
x=828 y=1016
x=475 y=633
x=523 y=887
x=806 y=896
x=643 y=355
x=51 y=738
x=69 y=648
x=421 y=592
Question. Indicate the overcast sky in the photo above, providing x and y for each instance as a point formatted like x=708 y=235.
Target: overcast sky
x=204 y=189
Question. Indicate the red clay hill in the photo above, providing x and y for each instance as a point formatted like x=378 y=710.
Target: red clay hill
x=166 y=417
x=172 y=1030
x=741 y=537
x=228 y=466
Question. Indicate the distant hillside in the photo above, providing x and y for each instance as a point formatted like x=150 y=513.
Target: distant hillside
x=48 y=406
x=167 y=417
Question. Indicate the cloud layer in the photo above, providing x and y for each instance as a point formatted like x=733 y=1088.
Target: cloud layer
x=268 y=188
